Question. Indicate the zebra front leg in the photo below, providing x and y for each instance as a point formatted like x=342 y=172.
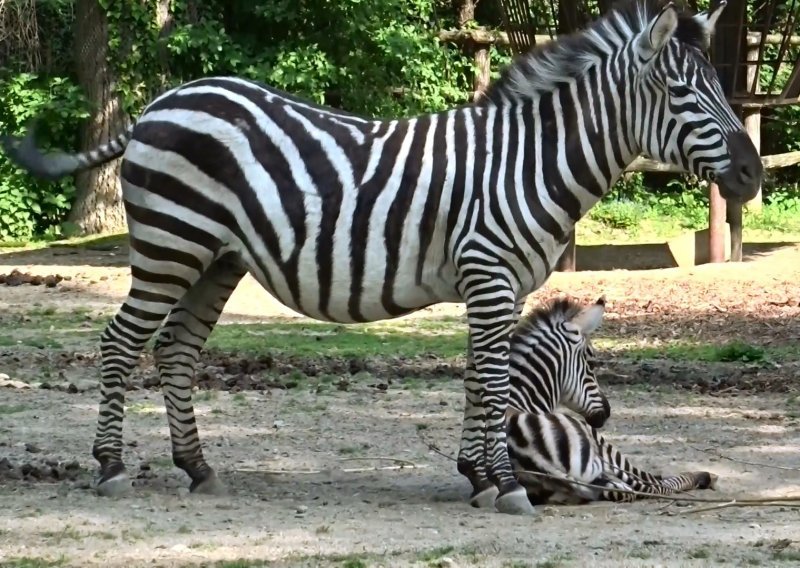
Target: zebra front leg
x=484 y=492
x=491 y=308
x=472 y=456
x=177 y=351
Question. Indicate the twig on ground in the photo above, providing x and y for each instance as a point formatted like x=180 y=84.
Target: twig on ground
x=735 y=503
x=716 y=452
x=402 y=464
x=399 y=461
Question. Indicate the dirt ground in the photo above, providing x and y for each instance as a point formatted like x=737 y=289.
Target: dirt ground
x=314 y=474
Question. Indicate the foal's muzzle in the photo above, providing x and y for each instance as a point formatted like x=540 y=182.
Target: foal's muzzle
x=598 y=418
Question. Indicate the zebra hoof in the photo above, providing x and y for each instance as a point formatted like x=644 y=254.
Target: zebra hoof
x=115 y=486
x=211 y=485
x=485 y=498
x=515 y=502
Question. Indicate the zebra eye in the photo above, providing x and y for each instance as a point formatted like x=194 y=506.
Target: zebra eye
x=680 y=91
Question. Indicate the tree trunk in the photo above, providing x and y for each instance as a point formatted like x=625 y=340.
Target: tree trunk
x=465 y=11
x=98 y=207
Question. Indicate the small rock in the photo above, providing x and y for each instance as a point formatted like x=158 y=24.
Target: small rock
x=82 y=385
x=73 y=465
x=32 y=448
x=180 y=548
x=7 y=382
x=278 y=424
x=301 y=509
x=51 y=462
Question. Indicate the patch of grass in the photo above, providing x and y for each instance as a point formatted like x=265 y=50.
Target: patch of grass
x=242 y=563
x=206 y=395
x=33 y=562
x=162 y=462
x=554 y=561
x=67 y=533
x=435 y=553
x=787 y=555
x=13 y=408
x=142 y=408
x=444 y=336
x=699 y=553
x=240 y=398
x=353 y=563
x=640 y=552
x=352 y=450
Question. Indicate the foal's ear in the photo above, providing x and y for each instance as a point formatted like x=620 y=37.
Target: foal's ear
x=589 y=319
x=658 y=32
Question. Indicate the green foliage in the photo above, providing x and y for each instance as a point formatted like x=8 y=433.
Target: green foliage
x=376 y=58
x=631 y=202
x=738 y=351
x=29 y=207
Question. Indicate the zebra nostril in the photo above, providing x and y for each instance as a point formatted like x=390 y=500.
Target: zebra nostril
x=745 y=174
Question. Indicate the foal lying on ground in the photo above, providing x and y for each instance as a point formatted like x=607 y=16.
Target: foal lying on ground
x=552 y=364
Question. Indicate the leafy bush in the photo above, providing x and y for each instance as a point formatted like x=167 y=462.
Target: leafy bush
x=29 y=207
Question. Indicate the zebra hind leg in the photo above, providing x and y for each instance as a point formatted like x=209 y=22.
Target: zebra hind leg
x=176 y=353
x=150 y=299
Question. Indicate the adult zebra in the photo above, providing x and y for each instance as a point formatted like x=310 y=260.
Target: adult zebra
x=552 y=364
x=348 y=219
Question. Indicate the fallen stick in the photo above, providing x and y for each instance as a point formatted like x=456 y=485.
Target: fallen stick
x=715 y=452
x=735 y=503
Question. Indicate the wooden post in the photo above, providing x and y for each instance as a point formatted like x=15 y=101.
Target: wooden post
x=482 y=71
x=752 y=120
x=734 y=210
x=567 y=261
x=716 y=224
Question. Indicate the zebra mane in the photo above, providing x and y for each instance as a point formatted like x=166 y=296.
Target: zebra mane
x=547 y=317
x=545 y=66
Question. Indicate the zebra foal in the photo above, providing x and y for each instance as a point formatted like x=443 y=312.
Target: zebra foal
x=552 y=365
x=348 y=219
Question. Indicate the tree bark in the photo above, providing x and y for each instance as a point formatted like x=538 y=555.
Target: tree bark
x=465 y=11
x=98 y=207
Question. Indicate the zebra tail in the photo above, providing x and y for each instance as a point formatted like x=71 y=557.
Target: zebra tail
x=54 y=165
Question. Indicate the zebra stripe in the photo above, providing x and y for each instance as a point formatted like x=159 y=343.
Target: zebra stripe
x=348 y=219
x=551 y=365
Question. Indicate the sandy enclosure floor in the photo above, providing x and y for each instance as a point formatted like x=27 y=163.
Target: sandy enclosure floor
x=285 y=456
x=288 y=456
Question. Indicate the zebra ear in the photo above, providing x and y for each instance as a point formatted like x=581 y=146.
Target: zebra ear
x=708 y=20
x=589 y=319
x=658 y=32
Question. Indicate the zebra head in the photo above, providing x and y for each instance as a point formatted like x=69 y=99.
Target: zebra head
x=679 y=112
x=552 y=361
